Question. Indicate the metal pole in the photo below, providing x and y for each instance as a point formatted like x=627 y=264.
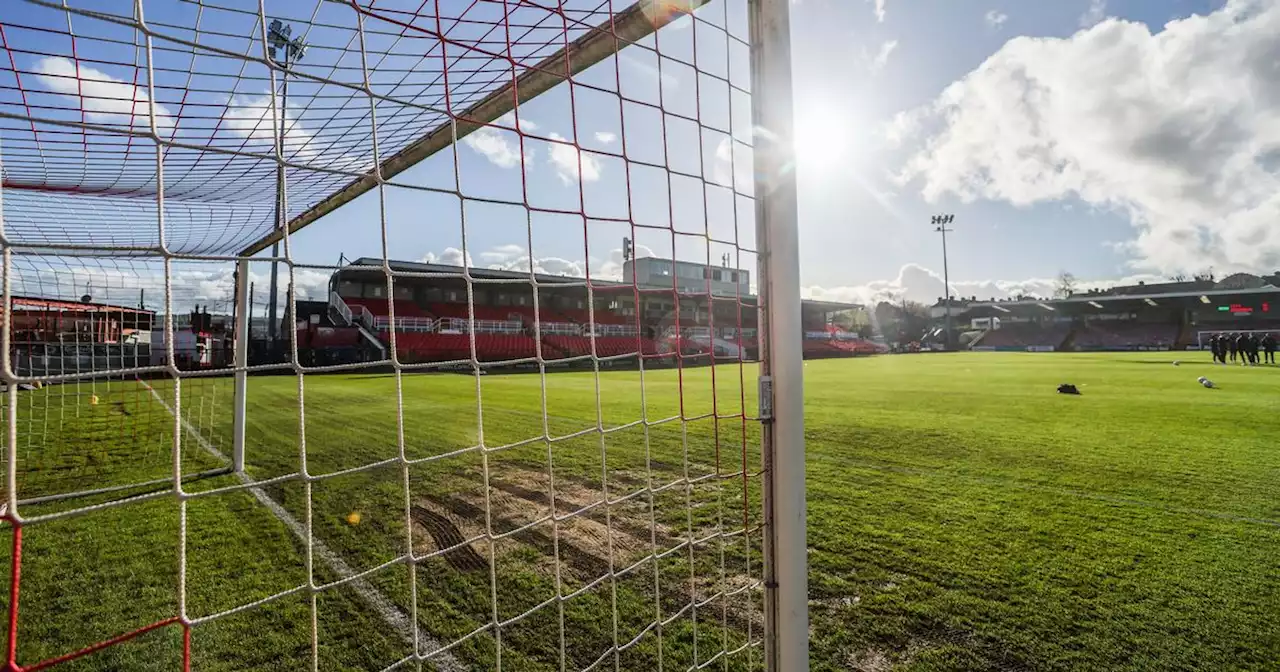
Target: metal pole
x=946 y=280
x=940 y=225
x=239 y=405
x=279 y=223
x=781 y=364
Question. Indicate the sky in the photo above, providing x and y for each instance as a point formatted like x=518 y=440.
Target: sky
x=1113 y=139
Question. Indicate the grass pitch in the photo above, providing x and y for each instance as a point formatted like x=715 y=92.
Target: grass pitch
x=962 y=516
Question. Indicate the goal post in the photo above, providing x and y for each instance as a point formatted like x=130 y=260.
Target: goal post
x=1203 y=335
x=781 y=356
x=243 y=329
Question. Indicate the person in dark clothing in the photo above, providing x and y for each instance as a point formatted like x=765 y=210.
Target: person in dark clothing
x=1233 y=344
x=1255 y=348
x=1269 y=347
x=1215 y=347
x=1251 y=348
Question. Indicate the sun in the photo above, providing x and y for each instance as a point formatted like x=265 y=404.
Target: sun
x=822 y=138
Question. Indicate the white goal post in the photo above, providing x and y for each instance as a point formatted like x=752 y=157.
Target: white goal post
x=1203 y=335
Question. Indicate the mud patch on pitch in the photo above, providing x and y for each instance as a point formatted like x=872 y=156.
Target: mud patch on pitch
x=587 y=539
x=518 y=503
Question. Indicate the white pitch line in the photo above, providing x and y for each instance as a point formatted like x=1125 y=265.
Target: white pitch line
x=389 y=612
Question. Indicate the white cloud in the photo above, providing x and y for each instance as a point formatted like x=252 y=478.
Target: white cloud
x=605 y=137
x=880 y=10
x=996 y=18
x=917 y=283
x=650 y=71
x=1177 y=130
x=104 y=99
x=257 y=119
x=1095 y=14
x=611 y=268
x=501 y=254
x=733 y=165
x=209 y=285
x=564 y=158
x=451 y=256
x=515 y=258
x=500 y=146
x=882 y=56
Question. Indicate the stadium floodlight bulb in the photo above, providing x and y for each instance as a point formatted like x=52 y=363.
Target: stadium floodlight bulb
x=280 y=37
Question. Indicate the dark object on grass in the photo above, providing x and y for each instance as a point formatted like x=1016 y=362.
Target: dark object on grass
x=1067 y=388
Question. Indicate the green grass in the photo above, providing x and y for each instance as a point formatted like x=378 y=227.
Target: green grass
x=962 y=516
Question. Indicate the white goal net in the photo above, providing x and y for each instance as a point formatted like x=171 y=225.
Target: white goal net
x=397 y=334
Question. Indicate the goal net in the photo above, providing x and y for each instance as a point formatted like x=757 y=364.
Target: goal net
x=337 y=336
x=1203 y=336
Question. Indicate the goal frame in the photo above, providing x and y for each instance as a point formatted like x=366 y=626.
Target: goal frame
x=780 y=382
x=781 y=350
x=1202 y=333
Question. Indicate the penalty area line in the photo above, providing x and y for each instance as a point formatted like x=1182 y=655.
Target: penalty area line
x=390 y=613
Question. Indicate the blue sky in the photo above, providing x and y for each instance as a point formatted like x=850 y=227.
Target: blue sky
x=1114 y=139
x=860 y=66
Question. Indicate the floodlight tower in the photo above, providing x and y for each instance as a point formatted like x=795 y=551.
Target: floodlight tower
x=940 y=223
x=283 y=49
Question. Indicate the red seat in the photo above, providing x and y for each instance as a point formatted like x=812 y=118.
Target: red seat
x=602 y=317
x=380 y=307
x=459 y=310
x=434 y=347
x=606 y=346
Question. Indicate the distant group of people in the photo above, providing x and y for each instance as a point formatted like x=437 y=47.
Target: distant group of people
x=1249 y=348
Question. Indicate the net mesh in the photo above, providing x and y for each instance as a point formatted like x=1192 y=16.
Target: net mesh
x=526 y=450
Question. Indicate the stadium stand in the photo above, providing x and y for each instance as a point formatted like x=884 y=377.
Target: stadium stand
x=1026 y=334
x=380 y=308
x=1121 y=335
x=606 y=346
x=602 y=317
x=482 y=312
x=431 y=326
x=445 y=347
x=527 y=314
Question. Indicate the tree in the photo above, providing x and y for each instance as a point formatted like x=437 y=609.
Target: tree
x=856 y=321
x=1065 y=286
x=902 y=320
